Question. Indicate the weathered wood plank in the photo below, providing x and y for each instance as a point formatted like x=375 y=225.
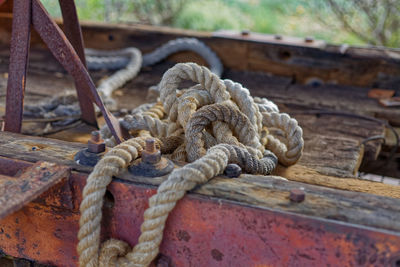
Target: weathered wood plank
x=341 y=126
x=32 y=149
x=330 y=155
x=20 y=147
x=324 y=96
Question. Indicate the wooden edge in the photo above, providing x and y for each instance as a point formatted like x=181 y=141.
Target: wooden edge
x=19 y=146
x=306 y=175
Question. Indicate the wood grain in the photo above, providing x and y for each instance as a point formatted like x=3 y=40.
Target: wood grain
x=18 y=146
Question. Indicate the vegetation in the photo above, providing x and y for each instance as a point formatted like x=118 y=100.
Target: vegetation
x=357 y=22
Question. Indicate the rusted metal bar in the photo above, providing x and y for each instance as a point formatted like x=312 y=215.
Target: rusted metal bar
x=20 y=39
x=63 y=51
x=201 y=231
x=73 y=31
x=15 y=192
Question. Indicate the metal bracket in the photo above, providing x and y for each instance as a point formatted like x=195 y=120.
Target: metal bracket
x=32 y=12
x=15 y=192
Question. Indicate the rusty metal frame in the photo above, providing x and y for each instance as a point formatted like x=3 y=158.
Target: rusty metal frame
x=15 y=192
x=200 y=231
x=32 y=12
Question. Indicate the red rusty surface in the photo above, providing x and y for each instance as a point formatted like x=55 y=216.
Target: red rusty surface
x=12 y=167
x=19 y=52
x=17 y=191
x=73 y=32
x=200 y=232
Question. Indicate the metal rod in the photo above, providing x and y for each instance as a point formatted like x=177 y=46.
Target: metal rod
x=20 y=40
x=63 y=51
x=73 y=31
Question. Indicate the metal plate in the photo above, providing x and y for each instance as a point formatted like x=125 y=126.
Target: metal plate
x=15 y=192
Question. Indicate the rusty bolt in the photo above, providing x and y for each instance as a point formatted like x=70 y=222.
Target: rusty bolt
x=278 y=37
x=297 y=195
x=309 y=39
x=233 y=170
x=245 y=32
x=96 y=144
x=151 y=155
x=163 y=261
x=150 y=145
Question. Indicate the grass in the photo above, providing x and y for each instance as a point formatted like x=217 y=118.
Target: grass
x=286 y=17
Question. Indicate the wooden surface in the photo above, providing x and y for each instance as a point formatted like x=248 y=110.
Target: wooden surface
x=365 y=67
x=332 y=143
x=20 y=147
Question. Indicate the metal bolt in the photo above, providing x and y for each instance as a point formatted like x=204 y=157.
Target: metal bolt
x=297 y=195
x=245 y=32
x=233 y=170
x=309 y=39
x=96 y=144
x=278 y=37
x=95 y=136
x=151 y=155
x=163 y=261
x=150 y=145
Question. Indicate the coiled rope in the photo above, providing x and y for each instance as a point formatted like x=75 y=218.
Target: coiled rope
x=213 y=106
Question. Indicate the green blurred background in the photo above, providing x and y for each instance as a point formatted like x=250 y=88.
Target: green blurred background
x=356 y=22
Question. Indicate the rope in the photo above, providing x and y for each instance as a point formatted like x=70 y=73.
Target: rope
x=117 y=59
x=128 y=62
x=210 y=125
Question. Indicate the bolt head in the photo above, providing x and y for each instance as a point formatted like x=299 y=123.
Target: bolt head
x=297 y=195
x=233 y=171
x=95 y=136
x=309 y=39
x=245 y=32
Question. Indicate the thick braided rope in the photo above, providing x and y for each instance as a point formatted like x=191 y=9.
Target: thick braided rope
x=118 y=79
x=218 y=112
x=208 y=81
x=189 y=71
x=169 y=192
x=290 y=151
x=156 y=111
x=145 y=122
x=66 y=104
x=117 y=59
x=241 y=96
x=264 y=105
x=185 y=44
x=93 y=193
x=189 y=102
x=200 y=170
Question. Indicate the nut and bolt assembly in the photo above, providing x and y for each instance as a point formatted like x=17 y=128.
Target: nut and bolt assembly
x=96 y=144
x=151 y=163
x=94 y=151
